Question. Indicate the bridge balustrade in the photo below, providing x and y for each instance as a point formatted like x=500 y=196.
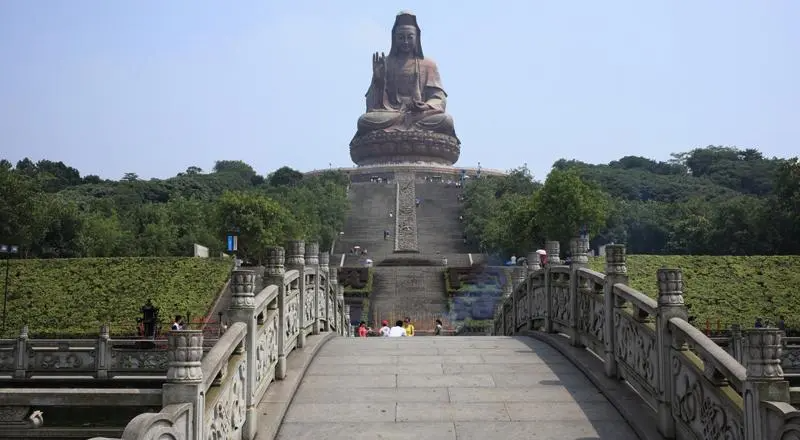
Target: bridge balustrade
x=693 y=387
x=102 y=358
x=215 y=395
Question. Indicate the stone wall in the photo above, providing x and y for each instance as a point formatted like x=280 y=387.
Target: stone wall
x=690 y=386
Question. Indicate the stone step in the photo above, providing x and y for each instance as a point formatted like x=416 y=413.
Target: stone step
x=438 y=226
x=368 y=217
x=402 y=291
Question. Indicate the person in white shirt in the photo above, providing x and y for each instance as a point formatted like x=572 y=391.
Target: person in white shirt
x=397 y=331
x=384 y=331
x=178 y=323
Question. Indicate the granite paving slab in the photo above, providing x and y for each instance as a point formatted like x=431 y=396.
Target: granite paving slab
x=439 y=388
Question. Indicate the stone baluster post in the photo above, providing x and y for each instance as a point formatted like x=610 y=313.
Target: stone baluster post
x=736 y=344
x=340 y=323
x=21 y=354
x=243 y=309
x=330 y=300
x=670 y=305
x=533 y=262
x=579 y=249
x=103 y=351
x=508 y=285
x=347 y=319
x=295 y=260
x=520 y=274
x=533 y=265
x=273 y=274
x=553 y=249
x=324 y=262
x=616 y=273
x=508 y=295
x=185 y=375
x=764 y=381
x=312 y=260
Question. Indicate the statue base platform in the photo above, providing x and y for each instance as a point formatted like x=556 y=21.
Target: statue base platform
x=404 y=147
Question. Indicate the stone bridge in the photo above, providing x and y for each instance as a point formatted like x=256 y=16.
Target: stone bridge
x=559 y=367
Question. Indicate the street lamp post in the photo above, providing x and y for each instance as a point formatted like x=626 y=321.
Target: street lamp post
x=7 y=250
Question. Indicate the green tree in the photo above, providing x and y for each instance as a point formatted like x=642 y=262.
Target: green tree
x=566 y=204
x=261 y=222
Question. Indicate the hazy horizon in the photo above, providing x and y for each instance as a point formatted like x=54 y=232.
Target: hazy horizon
x=156 y=87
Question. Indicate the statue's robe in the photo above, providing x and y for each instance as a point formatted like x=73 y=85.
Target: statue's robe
x=413 y=80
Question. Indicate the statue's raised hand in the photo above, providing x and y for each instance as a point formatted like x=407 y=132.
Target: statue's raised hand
x=378 y=65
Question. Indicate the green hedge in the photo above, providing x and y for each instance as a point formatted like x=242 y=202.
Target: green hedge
x=74 y=297
x=725 y=288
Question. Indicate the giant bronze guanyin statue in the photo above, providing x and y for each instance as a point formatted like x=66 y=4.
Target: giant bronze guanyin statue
x=405 y=120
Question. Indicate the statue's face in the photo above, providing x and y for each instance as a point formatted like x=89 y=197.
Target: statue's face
x=405 y=37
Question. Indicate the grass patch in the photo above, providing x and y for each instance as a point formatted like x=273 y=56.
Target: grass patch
x=730 y=289
x=74 y=297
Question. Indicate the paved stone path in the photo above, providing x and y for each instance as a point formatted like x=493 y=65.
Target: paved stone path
x=443 y=388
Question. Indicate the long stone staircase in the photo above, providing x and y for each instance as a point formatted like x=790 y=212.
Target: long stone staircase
x=438 y=226
x=370 y=205
x=416 y=292
x=408 y=267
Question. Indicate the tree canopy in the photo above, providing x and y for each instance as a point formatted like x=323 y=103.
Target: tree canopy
x=52 y=212
x=710 y=201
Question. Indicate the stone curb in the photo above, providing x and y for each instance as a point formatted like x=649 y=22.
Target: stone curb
x=276 y=401
x=629 y=404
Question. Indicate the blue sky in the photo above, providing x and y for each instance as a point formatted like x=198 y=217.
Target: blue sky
x=154 y=87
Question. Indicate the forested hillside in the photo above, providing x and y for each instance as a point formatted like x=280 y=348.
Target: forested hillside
x=51 y=211
x=709 y=201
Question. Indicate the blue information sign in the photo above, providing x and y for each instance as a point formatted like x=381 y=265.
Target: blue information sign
x=233 y=243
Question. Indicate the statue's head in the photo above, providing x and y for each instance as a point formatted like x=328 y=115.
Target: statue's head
x=406 y=36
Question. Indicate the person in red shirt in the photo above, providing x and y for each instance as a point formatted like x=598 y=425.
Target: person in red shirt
x=362 y=329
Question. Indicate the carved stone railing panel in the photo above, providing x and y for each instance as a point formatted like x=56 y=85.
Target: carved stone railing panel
x=406 y=220
x=705 y=408
x=508 y=327
x=138 y=361
x=559 y=302
x=61 y=357
x=309 y=310
x=538 y=299
x=291 y=321
x=322 y=296
x=591 y=309
x=521 y=306
x=637 y=354
x=266 y=353
x=225 y=406
x=103 y=359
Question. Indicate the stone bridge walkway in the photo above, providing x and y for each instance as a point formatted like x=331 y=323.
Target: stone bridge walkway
x=443 y=388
